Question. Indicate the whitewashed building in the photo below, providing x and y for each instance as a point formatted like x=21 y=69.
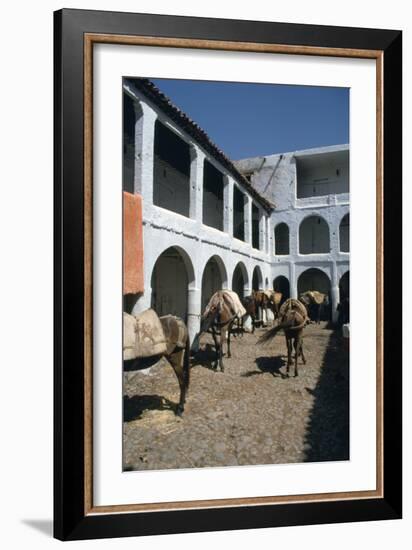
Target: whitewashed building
x=204 y=225
x=210 y=223
x=309 y=241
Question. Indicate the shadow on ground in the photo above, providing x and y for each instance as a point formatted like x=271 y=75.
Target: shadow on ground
x=134 y=407
x=205 y=357
x=268 y=364
x=327 y=435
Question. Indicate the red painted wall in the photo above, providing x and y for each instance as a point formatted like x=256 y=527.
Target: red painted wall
x=133 y=281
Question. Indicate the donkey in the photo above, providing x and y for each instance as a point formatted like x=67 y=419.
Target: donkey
x=293 y=318
x=275 y=299
x=249 y=304
x=223 y=309
x=176 y=352
x=262 y=301
x=315 y=303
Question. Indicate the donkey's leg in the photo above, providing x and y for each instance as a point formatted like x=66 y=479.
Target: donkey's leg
x=229 y=330
x=223 y=333
x=289 y=347
x=235 y=331
x=176 y=359
x=216 y=348
x=301 y=349
x=296 y=345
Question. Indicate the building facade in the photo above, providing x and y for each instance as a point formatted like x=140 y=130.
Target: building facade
x=210 y=223
x=309 y=241
x=204 y=226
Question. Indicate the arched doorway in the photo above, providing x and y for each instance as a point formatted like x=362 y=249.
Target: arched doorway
x=257 y=279
x=240 y=280
x=344 y=286
x=281 y=284
x=344 y=234
x=344 y=302
x=315 y=279
x=314 y=236
x=214 y=278
x=171 y=277
x=281 y=239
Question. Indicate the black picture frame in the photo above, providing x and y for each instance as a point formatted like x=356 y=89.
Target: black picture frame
x=71 y=521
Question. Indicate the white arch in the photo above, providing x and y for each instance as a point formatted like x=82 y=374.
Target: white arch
x=257 y=269
x=315 y=270
x=279 y=245
x=243 y=269
x=222 y=269
x=186 y=260
x=240 y=266
x=321 y=235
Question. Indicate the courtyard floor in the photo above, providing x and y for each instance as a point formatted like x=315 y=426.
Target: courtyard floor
x=250 y=414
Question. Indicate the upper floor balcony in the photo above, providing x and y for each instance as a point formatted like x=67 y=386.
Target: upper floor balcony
x=322 y=177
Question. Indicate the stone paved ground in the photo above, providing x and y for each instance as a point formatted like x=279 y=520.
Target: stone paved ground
x=250 y=414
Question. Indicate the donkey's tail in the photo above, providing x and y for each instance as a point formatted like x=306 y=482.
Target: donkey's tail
x=269 y=334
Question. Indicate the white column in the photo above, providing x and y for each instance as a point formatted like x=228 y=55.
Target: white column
x=228 y=206
x=196 y=183
x=294 y=236
x=334 y=291
x=193 y=313
x=272 y=248
x=334 y=225
x=262 y=231
x=248 y=220
x=293 y=282
x=144 y=152
x=269 y=240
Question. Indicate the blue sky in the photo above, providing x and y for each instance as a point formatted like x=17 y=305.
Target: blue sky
x=247 y=120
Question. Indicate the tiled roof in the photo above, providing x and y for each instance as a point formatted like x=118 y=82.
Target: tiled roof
x=146 y=87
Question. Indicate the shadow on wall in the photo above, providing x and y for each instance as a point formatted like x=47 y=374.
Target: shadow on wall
x=327 y=435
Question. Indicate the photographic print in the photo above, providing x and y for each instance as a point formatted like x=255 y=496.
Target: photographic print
x=236 y=263
x=214 y=220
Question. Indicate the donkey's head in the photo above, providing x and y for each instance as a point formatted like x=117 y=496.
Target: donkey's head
x=212 y=313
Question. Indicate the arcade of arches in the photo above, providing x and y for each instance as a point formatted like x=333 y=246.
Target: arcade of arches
x=173 y=284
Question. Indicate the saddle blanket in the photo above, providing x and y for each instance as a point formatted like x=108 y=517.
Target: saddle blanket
x=316 y=296
x=143 y=335
x=292 y=304
x=175 y=331
x=234 y=302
